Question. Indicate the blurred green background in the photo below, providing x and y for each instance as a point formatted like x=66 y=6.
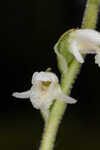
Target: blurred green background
x=29 y=30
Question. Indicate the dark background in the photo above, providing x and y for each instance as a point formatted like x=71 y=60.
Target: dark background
x=29 y=30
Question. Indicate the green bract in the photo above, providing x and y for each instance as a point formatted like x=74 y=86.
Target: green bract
x=64 y=56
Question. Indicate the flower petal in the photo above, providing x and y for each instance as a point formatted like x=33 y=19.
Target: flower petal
x=44 y=76
x=34 y=76
x=67 y=99
x=97 y=59
x=75 y=51
x=21 y=94
x=89 y=36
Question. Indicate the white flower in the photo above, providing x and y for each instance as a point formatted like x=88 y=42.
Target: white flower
x=45 y=89
x=85 y=41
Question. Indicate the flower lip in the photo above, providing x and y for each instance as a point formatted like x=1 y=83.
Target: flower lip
x=44 y=76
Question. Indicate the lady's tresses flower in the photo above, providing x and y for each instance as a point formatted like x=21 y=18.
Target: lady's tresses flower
x=45 y=89
x=85 y=41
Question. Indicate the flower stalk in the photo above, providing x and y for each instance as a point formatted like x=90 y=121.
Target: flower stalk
x=57 y=111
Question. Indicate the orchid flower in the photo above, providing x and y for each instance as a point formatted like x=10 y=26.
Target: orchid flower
x=45 y=89
x=85 y=41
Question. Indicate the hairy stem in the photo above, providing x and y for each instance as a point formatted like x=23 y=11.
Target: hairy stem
x=51 y=127
x=91 y=14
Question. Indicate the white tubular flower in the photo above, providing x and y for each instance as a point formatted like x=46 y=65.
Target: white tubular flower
x=85 y=41
x=45 y=89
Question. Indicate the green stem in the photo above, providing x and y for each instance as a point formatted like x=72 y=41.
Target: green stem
x=58 y=110
x=90 y=15
x=59 y=107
